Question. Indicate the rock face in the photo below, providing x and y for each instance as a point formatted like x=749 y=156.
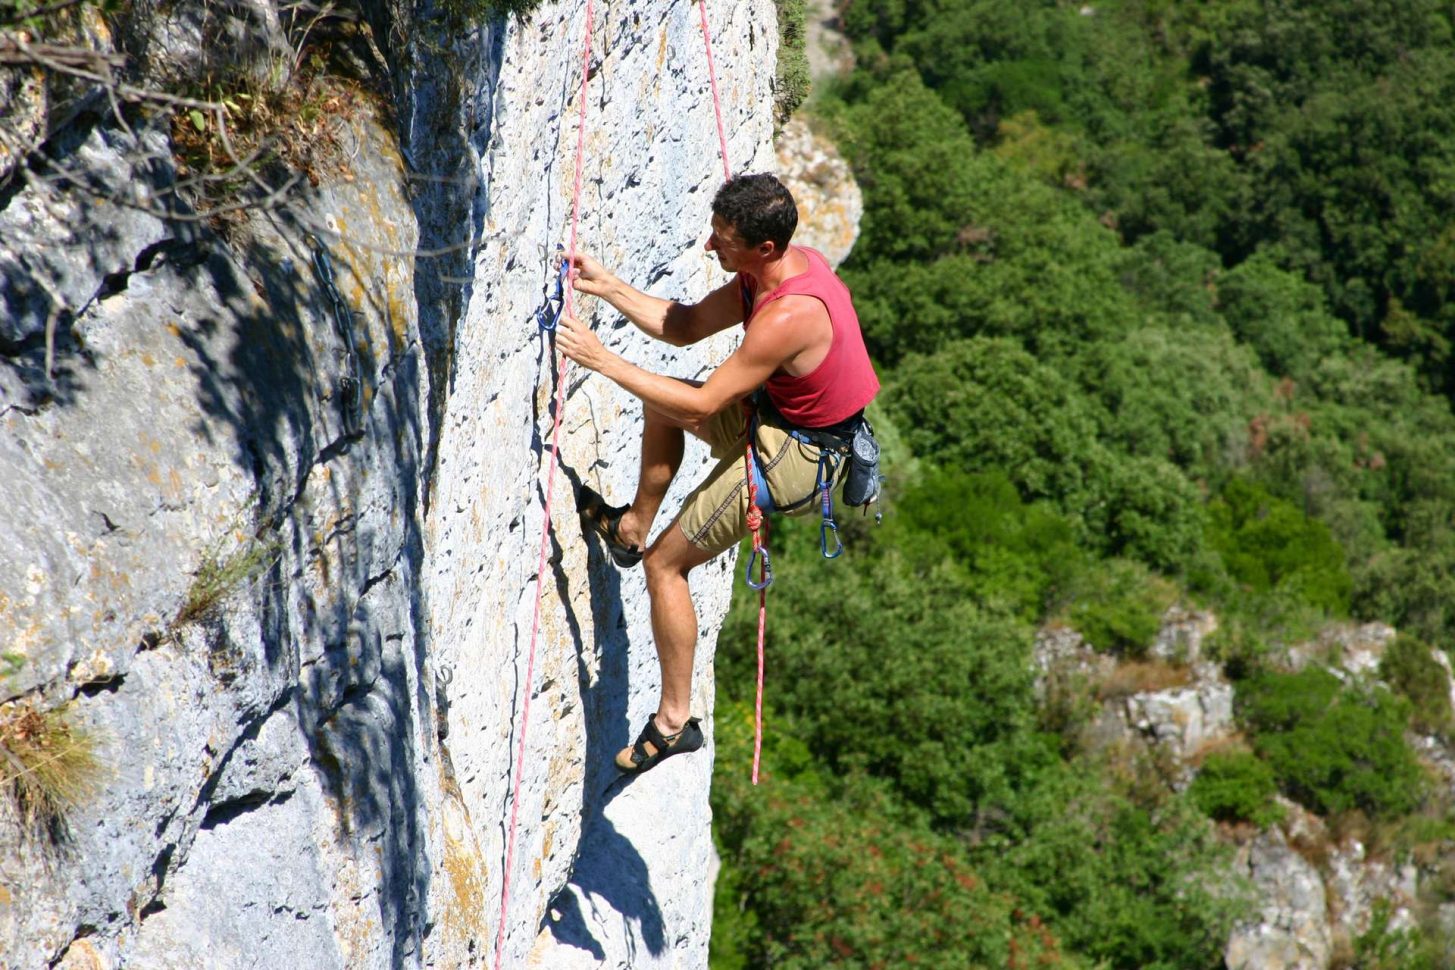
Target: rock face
x=279 y=561
x=1292 y=930
x=830 y=204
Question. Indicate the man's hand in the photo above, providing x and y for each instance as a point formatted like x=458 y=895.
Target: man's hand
x=578 y=342
x=589 y=276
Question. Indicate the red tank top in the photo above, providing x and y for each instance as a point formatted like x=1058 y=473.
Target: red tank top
x=845 y=381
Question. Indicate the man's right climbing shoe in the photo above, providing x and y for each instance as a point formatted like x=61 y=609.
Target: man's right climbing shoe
x=605 y=521
x=638 y=758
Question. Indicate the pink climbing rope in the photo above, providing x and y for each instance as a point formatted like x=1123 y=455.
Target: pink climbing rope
x=755 y=514
x=562 y=367
x=727 y=172
x=757 y=527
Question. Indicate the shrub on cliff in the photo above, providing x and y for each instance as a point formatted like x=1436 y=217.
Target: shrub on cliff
x=1333 y=747
x=1125 y=883
x=48 y=766
x=1268 y=545
x=1236 y=786
x=889 y=666
x=846 y=875
x=1409 y=666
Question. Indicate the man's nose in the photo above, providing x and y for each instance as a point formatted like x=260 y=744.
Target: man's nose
x=709 y=245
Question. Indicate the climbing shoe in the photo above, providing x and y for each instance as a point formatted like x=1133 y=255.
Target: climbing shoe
x=605 y=521
x=638 y=758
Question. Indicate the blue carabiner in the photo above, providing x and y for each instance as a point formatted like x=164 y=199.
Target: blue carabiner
x=544 y=317
x=767 y=569
x=830 y=528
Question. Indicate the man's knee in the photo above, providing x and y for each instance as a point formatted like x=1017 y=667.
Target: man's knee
x=659 y=563
x=672 y=555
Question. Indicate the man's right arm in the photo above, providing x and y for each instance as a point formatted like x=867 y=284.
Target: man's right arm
x=675 y=323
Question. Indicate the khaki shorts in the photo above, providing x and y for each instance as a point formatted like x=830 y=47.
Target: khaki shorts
x=715 y=515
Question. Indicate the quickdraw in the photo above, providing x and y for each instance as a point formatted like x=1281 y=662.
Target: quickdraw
x=828 y=529
x=554 y=303
x=757 y=525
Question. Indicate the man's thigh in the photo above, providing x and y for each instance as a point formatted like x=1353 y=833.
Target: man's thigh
x=715 y=516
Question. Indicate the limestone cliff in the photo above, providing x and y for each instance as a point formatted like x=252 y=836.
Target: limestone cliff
x=271 y=543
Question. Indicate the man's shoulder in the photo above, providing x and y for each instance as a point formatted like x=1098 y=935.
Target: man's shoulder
x=792 y=309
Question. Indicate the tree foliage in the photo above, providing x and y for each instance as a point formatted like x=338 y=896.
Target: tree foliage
x=1161 y=293
x=1334 y=748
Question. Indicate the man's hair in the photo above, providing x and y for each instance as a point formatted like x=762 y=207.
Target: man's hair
x=758 y=207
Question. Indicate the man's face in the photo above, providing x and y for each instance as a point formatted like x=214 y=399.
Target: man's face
x=729 y=246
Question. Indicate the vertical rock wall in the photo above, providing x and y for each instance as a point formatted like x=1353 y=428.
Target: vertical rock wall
x=297 y=629
x=632 y=857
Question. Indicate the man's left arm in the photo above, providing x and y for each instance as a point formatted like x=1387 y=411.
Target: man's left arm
x=765 y=347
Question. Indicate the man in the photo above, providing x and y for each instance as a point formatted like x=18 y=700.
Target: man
x=801 y=344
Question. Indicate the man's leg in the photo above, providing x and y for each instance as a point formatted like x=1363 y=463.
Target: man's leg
x=674 y=625
x=663 y=442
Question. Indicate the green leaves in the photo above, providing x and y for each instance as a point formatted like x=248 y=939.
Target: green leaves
x=1127 y=274
x=1268 y=545
x=1236 y=786
x=1333 y=747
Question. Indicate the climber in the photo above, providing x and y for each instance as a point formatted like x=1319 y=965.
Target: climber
x=801 y=345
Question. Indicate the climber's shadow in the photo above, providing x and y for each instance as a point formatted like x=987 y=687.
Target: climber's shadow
x=608 y=871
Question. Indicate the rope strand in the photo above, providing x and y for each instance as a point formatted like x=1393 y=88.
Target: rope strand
x=755 y=515
x=562 y=368
x=727 y=173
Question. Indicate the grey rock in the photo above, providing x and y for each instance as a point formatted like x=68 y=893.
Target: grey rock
x=830 y=204
x=276 y=787
x=1348 y=649
x=1292 y=930
x=1184 y=721
x=1062 y=656
x=1355 y=882
x=58 y=245
x=1181 y=639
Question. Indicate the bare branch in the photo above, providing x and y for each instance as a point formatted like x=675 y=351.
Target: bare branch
x=71 y=61
x=14 y=50
x=58 y=305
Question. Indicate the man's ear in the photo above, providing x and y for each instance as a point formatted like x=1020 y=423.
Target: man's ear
x=767 y=248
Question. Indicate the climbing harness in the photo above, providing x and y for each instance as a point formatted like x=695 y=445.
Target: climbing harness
x=834 y=446
x=351 y=383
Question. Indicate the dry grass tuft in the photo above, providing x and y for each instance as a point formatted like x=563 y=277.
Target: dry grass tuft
x=47 y=766
x=219 y=576
x=1142 y=676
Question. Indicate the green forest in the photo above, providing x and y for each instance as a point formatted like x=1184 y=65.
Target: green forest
x=1162 y=294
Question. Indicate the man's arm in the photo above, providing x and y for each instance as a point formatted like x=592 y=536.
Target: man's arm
x=774 y=338
x=675 y=323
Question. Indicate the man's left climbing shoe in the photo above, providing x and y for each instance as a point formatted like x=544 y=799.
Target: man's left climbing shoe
x=605 y=521
x=638 y=758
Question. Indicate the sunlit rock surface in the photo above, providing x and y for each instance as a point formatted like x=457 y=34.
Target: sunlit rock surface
x=312 y=764
x=830 y=204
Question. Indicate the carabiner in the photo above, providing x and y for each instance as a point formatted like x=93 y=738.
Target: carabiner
x=545 y=318
x=830 y=528
x=767 y=569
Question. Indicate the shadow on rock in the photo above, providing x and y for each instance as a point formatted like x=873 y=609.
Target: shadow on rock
x=609 y=870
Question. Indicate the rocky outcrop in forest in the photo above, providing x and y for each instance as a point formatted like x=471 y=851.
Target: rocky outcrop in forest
x=1314 y=888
